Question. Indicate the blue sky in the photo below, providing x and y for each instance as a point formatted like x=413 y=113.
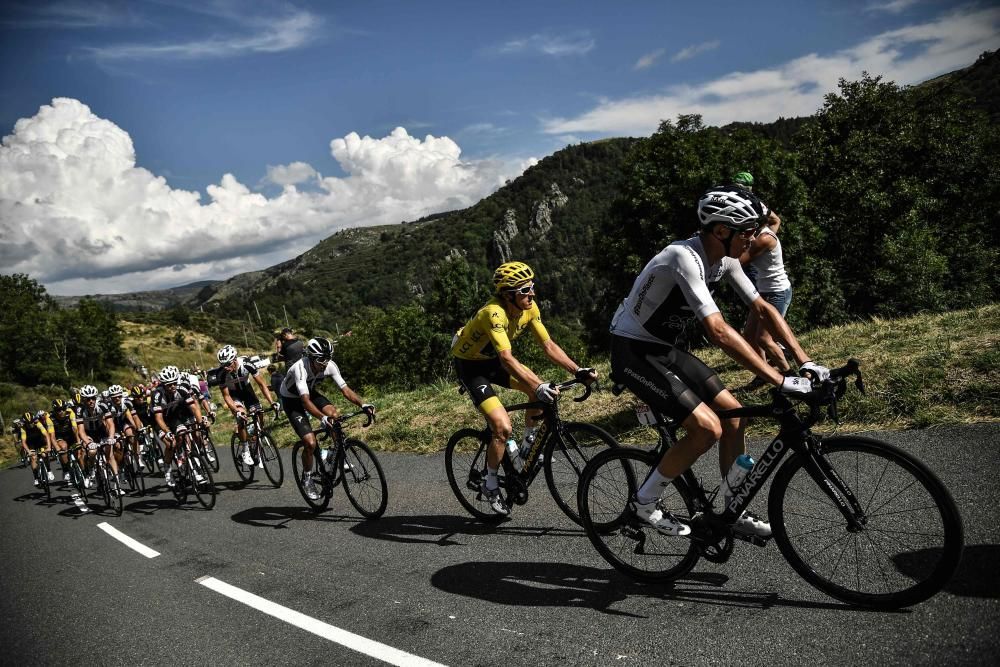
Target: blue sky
x=193 y=140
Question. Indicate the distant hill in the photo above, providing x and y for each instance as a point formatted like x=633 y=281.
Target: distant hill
x=143 y=301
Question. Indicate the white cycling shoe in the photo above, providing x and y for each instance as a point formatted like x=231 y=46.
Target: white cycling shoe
x=751 y=524
x=664 y=522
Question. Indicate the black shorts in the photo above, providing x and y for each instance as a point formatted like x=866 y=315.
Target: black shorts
x=298 y=417
x=668 y=379
x=69 y=436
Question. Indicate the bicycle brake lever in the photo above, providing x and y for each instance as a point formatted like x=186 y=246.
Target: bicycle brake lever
x=584 y=396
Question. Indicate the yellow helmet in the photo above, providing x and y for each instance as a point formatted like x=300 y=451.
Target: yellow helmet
x=512 y=274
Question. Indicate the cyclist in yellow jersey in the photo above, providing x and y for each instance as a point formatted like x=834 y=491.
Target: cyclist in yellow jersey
x=64 y=433
x=481 y=352
x=37 y=435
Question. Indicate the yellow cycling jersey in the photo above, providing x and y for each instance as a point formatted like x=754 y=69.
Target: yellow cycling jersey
x=490 y=331
x=67 y=423
x=34 y=434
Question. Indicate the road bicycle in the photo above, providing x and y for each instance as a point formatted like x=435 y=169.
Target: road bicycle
x=42 y=471
x=129 y=465
x=561 y=449
x=262 y=449
x=106 y=480
x=202 y=435
x=192 y=470
x=859 y=519
x=150 y=450
x=75 y=470
x=337 y=459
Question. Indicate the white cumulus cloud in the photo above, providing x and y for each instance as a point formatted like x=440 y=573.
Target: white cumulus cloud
x=80 y=215
x=906 y=55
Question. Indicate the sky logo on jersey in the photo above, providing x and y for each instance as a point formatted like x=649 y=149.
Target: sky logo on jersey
x=482 y=387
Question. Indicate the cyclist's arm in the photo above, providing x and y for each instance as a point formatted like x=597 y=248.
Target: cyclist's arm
x=311 y=407
x=517 y=369
x=195 y=408
x=350 y=395
x=228 y=400
x=109 y=424
x=263 y=387
x=160 y=422
x=558 y=356
x=734 y=345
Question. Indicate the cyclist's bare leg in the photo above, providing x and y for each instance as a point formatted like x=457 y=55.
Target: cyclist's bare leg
x=733 y=441
x=309 y=440
x=702 y=429
x=499 y=422
x=773 y=351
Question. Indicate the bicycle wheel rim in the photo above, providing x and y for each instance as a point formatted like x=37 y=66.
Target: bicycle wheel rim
x=364 y=480
x=566 y=455
x=629 y=544
x=908 y=548
x=204 y=490
x=271 y=459
x=465 y=463
x=321 y=480
x=213 y=460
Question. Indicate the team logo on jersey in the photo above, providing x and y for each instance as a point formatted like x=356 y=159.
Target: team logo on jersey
x=482 y=387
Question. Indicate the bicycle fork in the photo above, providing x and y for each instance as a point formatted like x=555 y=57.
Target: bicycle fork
x=826 y=477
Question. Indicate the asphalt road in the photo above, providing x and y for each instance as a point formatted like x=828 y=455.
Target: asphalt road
x=428 y=581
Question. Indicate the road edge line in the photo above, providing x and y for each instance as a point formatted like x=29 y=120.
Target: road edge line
x=128 y=541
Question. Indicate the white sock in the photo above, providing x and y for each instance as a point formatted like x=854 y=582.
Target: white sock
x=491 y=479
x=653 y=487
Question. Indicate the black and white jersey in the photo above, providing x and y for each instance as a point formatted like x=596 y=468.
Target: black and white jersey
x=118 y=411
x=93 y=419
x=300 y=378
x=175 y=406
x=675 y=288
x=239 y=382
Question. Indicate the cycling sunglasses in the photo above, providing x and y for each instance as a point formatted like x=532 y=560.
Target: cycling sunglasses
x=524 y=289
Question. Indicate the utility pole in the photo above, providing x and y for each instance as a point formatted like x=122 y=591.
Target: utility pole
x=260 y=321
x=245 y=338
x=286 y=316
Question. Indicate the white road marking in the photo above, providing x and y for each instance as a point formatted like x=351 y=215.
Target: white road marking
x=128 y=541
x=325 y=630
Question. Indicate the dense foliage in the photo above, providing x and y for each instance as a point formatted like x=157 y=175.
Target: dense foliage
x=40 y=343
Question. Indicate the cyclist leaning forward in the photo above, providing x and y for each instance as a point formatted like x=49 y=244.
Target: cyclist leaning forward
x=481 y=353
x=675 y=287
x=126 y=420
x=95 y=422
x=171 y=404
x=36 y=436
x=65 y=433
x=299 y=399
x=238 y=394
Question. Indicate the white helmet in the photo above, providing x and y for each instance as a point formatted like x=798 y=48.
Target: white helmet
x=732 y=207
x=88 y=391
x=169 y=375
x=116 y=390
x=320 y=349
x=226 y=355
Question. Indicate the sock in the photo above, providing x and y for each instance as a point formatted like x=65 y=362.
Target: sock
x=491 y=479
x=653 y=487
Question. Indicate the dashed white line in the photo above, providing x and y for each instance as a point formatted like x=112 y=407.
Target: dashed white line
x=347 y=639
x=128 y=541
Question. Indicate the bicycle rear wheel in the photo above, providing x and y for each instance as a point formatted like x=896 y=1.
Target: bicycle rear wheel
x=628 y=543
x=566 y=455
x=322 y=481
x=364 y=481
x=910 y=540
x=204 y=490
x=43 y=476
x=270 y=457
x=208 y=449
x=465 y=463
x=242 y=469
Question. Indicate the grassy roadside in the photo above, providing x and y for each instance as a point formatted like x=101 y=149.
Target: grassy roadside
x=919 y=371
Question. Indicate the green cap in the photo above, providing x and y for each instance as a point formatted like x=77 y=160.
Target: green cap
x=744 y=178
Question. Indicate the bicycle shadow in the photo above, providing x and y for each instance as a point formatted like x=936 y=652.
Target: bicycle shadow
x=548 y=584
x=441 y=529
x=279 y=517
x=976 y=576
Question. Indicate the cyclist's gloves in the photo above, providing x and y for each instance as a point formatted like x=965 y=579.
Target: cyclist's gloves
x=546 y=392
x=819 y=373
x=327 y=422
x=211 y=416
x=585 y=374
x=795 y=386
x=369 y=408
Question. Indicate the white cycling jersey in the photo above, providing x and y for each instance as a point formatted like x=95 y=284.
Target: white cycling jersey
x=300 y=378
x=770 y=265
x=675 y=287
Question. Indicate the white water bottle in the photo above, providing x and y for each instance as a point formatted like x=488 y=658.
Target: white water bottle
x=734 y=478
x=514 y=452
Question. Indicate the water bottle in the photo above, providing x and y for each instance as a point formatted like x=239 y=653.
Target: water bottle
x=324 y=457
x=525 y=449
x=734 y=478
x=514 y=452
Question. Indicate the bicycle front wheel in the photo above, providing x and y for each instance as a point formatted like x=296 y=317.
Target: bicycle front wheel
x=112 y=492
x=628 y=543
x=321 y=480
x=270 y=457
x=242 y=469
x=43 y=476
x=909 y=541
x=76 y=477
x=364 y=481
x=465 y=463
x=566 y=455
x=200 y=475
x=211 y=456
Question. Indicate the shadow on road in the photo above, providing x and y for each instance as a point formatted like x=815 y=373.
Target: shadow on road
x=280 y=517
x=977 y=575
x=441 y=529
x=564 y=585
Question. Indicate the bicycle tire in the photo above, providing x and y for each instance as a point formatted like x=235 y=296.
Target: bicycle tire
x=364 y=479
x=76 y=477
x=628 y=543
x=897 y=493
x=179 y=489
x=156 y=455
x=270 y=456
x=43 y=477
x=209 y=451
x=566 y=457
x=113 y=493
x=103 y=475
x=140 y=476
x=245 y=472
x=465 y=463
x=204 y=491
x=321 y=479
